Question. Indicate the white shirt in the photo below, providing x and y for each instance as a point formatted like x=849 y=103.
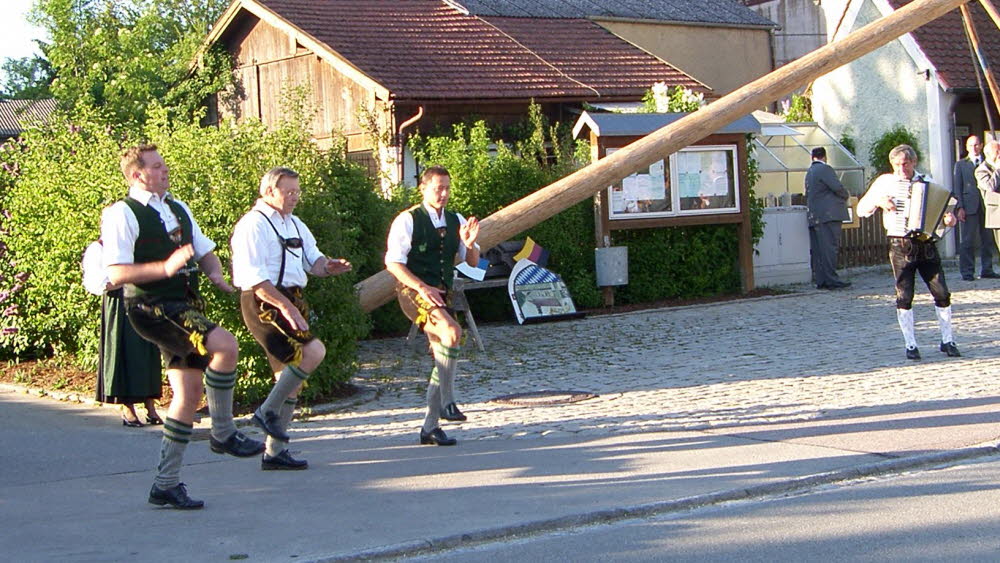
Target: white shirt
x=257 y=250
x=883 y=186
x=95 y=275
x=120 y=228
x=401 y=235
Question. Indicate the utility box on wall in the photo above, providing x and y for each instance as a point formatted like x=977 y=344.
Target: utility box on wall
x=612 y=265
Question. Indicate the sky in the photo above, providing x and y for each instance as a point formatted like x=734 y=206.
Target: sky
x=16 y=39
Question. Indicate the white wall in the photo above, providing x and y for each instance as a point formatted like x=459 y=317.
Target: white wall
x=869 y=96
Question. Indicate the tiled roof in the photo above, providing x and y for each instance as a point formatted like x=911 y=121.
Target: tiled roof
x=729 y=12
x=426 y=49
x=943 y=41
x=15 y=113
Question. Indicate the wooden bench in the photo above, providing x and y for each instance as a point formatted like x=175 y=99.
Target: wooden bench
x=460 y=303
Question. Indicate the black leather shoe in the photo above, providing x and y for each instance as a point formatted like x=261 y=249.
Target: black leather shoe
x=912 y=353
x=968 y=278
x=283 y=462
x=268 y=422
x=990 y=276
x=950 y=349
x=176 y=497
x=237 y=445
x=436 y=437
x=840 y=284
x=451 y=412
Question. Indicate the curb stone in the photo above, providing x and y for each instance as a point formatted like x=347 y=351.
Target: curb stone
x=429 y=546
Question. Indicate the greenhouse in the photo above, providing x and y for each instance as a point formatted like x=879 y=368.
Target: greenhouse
x=783 y=153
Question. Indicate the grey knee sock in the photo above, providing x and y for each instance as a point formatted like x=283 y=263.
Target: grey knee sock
x=288 y=383
x=433 y=402
x=446 y=362
x=219 y=391
x=176 y=436
x=273 y=446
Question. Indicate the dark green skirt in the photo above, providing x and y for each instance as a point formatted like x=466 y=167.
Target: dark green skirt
x=128 y=370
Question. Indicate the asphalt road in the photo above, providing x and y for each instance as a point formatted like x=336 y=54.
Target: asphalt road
x=950 y=514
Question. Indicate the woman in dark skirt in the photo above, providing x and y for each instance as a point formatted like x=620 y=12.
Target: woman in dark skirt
x=128 y=371
x=128 y=368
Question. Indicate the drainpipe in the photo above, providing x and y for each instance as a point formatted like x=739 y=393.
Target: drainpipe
x=399 y=140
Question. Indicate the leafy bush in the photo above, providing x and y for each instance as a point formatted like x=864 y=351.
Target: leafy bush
x=659 y=99
x=878 y=153
x=797 y=109
x=67 y=172
x=847 y=140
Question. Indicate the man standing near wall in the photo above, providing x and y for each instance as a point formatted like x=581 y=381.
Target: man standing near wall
x=970 y=212
x=988 y=182
x=826 y=198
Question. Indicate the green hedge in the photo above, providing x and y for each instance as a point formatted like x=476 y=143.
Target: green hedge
x=61 y=177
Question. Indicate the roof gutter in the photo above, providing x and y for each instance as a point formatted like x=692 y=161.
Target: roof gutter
x=682 y=22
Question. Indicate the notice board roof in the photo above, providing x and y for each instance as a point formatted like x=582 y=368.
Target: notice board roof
x=639 y=124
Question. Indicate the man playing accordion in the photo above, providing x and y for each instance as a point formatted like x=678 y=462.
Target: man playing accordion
x=910 y=251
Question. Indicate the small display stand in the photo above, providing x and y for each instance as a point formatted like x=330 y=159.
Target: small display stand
x=538 y=294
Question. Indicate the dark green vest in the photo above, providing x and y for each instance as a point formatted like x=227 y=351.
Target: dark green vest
x=432 y=255
x=154 y=244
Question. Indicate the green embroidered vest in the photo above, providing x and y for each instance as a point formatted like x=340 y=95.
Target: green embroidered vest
x=154 y=244
x=432 y=253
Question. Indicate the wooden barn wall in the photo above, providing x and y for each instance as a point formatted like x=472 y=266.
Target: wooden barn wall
x=269 y=63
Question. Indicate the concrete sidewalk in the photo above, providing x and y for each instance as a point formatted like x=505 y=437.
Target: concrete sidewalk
x=695 y=405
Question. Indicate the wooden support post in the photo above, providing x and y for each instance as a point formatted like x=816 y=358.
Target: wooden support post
x=970 y=30
x=992 y=11
x=979 y=83
x=564 y=193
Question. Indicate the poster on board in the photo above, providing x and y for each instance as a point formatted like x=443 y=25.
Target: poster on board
x=538 y=294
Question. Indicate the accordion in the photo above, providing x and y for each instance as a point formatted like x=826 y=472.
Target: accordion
x=919 y=216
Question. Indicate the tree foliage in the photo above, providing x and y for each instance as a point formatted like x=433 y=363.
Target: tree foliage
x=124 y=58
x=27 y=78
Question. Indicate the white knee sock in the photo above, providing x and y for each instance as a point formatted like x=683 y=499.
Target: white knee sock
x=905 y=318
x=944 y=321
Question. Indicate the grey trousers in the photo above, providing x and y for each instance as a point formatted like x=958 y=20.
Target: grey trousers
x=972 y=232
x=824 y=242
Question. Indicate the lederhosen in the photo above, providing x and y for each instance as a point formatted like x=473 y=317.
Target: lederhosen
x=168 y=312
x=912 y=254
x=266 y=323
x=432 y=259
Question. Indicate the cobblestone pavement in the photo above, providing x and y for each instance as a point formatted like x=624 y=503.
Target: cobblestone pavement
x=805 y=355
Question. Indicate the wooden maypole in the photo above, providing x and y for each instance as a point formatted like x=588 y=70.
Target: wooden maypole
x=566 y=192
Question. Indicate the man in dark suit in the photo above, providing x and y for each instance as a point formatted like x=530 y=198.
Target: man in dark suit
x=827 y=201
x=971 y=212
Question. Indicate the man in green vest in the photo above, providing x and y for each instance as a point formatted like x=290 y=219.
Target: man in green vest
x=155 y=249
x=425 y=242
